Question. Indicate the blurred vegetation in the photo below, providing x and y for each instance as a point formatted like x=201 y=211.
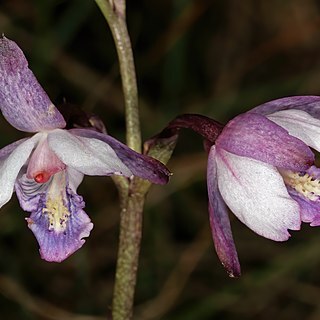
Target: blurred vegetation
x=218 y=58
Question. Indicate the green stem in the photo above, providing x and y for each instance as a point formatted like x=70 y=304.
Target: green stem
x=114 y=12
x=122 y=185
x=132 y=193
x=128 y=257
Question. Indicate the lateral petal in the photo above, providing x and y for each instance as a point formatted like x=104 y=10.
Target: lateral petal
x=23 y=102
x=140 y=165
x=309 y=104
x=11 y=162
x=219 y=221
x=299 y=124
x=87 y=155
x=255 y=192
x=5 y=151
x=254 y=136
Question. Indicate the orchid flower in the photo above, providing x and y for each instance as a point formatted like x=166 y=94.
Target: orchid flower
x=46 y=169
x=262 y=168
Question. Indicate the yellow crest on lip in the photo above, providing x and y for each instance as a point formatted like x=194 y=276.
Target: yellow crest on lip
x=56 y=210
x=303 y=183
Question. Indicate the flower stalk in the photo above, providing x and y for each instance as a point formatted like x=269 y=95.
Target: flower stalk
x=114 y=13
x=132 y=194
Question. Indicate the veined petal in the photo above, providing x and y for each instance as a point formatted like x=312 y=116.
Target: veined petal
x=87 y=155
x=254 y=136
x=219 y=221
x=23 y=102
x=256 y=194
x=309 y=104
x=139 y=165
x=57 y=218
x=11 y=163
x=299 y=124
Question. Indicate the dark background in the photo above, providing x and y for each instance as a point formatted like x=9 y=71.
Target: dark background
x=218 y=58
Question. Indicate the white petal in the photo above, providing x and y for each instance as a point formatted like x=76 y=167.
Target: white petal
x=256 y=194
x=75 y=178
x=299 y=124
x=11 y=165
x=87 y=155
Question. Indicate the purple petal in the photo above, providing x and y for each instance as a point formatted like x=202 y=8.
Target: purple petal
x=309 y=210
x=23 y=102
x=255 y=192
x=57 y=219
x=219 y=221
x=309 y=104
x=254 y=136
x=299 y=124
x=140 y=165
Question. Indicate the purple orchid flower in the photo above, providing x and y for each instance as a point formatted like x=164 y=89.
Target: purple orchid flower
x=46 y=169
x=261 y=167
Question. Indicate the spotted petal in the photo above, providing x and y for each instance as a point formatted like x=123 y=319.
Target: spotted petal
x=57 y=218
x=256 y=194
x=23 y=102
x=219 y=221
